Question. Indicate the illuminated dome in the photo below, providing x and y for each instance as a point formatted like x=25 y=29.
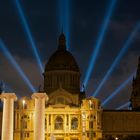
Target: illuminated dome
x=62 y=70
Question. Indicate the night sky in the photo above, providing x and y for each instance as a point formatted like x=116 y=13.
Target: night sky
x=84 y=20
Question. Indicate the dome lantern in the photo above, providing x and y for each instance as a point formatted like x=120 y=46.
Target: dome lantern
x=62 y=42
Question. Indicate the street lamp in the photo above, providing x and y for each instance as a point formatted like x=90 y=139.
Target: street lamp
x=116 y=138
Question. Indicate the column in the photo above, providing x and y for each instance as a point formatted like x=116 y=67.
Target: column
x=83 y=114
x=39 y=121
x=8 y=115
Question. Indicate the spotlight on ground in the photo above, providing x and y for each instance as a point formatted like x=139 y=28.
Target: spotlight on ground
x=113 y=94
x=64 y=18
x=99 y=41
x=118 y=58
x=29 y=34
x=16 y=66
x=123 y=106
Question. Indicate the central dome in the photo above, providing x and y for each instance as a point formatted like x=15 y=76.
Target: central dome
x=62 y=59
x=62 y=70
x=62 y=76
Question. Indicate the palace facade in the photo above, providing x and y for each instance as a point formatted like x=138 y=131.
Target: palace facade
x=68 y=114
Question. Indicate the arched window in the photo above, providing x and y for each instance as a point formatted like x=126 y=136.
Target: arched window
x=58 y=123
x=74 y=123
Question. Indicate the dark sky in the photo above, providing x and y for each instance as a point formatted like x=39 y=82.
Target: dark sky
x=85 y=19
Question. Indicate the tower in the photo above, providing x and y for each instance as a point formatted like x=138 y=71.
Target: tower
x=135 y=95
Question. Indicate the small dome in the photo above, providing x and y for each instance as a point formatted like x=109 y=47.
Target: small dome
x=62 y=60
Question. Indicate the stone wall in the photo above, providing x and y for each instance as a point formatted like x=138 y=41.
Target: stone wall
x=120 y=123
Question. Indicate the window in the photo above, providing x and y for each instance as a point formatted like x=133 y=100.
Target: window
x=91 y=104
x=25 y=135
x=25 y=106
x=24 y=123
x=58 y=123
x=90 y=124
x=74 y=123
x=49 y=119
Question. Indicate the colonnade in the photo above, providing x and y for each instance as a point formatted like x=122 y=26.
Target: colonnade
x=8 y=115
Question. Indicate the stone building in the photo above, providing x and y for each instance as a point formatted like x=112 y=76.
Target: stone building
x=68 y=114
x=122 y=123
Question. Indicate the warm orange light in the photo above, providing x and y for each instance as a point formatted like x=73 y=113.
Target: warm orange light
x=23 y=102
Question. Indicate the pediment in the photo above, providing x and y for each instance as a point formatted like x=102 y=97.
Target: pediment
x=61 y=96
x=60 y=91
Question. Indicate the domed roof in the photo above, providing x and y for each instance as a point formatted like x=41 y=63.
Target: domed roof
x=62 y=59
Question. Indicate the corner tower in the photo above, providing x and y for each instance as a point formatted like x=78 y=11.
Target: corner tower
x=135 y=95
x=62 y=71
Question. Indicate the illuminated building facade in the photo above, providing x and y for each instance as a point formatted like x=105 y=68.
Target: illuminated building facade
x=68 y=114
x=61 y=121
